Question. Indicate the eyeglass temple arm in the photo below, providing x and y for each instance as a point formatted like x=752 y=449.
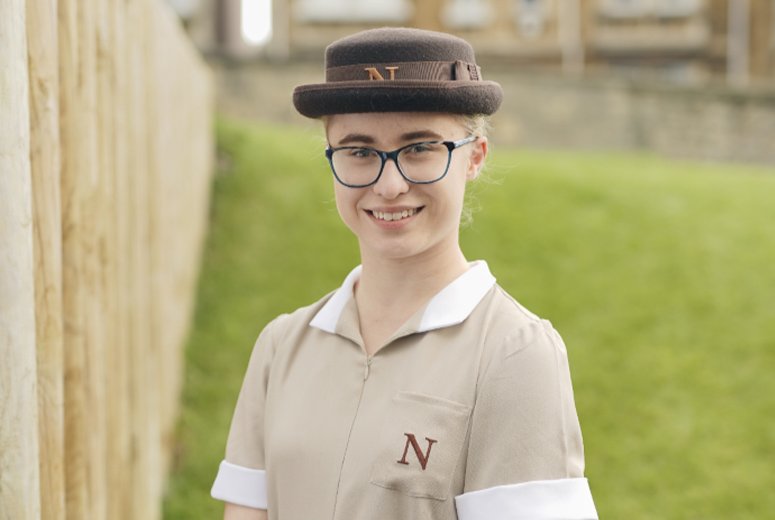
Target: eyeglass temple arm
x=460 y=142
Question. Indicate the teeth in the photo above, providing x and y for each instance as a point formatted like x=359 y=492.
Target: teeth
x=381 y=215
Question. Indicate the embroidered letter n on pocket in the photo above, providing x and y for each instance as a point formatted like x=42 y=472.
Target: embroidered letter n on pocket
x=420 y=445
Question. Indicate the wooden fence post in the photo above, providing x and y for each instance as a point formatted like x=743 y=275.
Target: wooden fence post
x=82 y=303
x=19 y=456
x=47 y=224
x=141 y=380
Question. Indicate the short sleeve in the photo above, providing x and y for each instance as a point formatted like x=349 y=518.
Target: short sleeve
x=525 y=455
x=241 y=476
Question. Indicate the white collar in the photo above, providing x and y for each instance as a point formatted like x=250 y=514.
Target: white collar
x=450 y=306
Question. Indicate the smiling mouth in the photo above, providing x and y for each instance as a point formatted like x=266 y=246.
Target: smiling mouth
x=395 y=215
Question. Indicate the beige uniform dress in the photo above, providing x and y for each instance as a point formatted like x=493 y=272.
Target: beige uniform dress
x=466 y=413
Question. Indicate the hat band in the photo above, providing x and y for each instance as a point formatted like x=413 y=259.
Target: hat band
x=411 y=70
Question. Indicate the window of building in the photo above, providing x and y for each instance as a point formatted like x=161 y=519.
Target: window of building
x=333 y=11
x=677 y=8
x=625 y=9
x=531 y=17
x=467 y=14
x=630 y=9
x=256 y=21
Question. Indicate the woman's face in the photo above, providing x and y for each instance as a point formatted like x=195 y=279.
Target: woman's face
x=395 y=219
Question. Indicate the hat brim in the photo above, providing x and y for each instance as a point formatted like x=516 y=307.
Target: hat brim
x=346 y=97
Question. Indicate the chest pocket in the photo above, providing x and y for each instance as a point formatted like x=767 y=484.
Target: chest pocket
x=420 y=445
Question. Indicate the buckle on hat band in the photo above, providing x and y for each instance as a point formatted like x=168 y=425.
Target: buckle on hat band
x=412 y=70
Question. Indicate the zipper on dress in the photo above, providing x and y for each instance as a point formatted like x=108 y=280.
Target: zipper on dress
x=366 y=372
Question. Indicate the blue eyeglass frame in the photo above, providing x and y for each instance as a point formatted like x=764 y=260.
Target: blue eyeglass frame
x=384 y=156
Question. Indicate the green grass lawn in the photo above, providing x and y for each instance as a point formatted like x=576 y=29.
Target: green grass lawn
x=660 y=275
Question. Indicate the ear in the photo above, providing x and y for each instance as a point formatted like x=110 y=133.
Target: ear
x=477 y=158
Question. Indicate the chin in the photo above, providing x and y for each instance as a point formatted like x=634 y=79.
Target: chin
x=393 y=249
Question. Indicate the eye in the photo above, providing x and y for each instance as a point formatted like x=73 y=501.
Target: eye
x=361 y=153
x=420 y=148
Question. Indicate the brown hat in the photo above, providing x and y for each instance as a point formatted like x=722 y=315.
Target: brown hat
x=399 y=70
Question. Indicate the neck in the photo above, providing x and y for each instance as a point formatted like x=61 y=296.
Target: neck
x=408 y=278
x=392 y=290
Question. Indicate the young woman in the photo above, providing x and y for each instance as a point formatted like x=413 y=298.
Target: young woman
x=419 y=389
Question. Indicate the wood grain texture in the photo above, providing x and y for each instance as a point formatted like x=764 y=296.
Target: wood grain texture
x=92 y=231
x=112 y=151
x=120 y=358
x=140 y=366
x=47 y=225
x=19 y=462
x=75 y=152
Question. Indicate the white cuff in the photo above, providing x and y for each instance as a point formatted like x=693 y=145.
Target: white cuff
x=240 y=485
x=562 y=499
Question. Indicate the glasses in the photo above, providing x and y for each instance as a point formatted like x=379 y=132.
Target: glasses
x=418 y=163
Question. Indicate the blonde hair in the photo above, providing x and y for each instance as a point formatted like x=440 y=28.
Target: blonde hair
x=475 y=124
x=478 y=125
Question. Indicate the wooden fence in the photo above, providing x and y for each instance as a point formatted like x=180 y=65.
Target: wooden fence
x=105 y=164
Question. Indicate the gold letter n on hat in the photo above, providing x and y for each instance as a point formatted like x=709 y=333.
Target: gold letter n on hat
x=375 y=75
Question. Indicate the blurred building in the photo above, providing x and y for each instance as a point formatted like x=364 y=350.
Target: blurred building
x=683 y=40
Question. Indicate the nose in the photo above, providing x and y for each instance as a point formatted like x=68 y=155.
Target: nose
x=391 y=183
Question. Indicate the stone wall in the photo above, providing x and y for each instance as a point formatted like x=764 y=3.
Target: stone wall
x=543 y=109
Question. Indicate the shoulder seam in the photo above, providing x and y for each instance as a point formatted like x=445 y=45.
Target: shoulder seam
x=521 y=308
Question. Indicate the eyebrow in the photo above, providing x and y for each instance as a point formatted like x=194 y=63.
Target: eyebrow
x=356 y=138
x=421 y=134
x=409 y=136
